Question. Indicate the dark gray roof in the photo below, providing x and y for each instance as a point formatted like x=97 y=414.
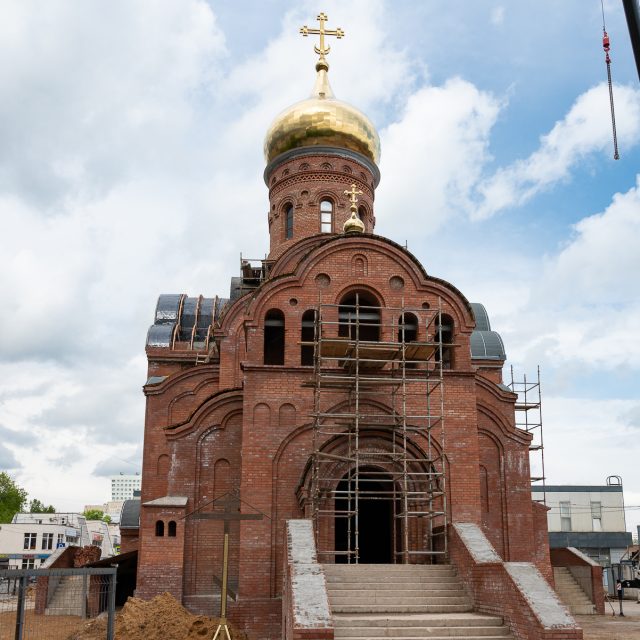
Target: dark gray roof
x=130 y=514
x=185 y=319
x=487 y=345
x=482 y=317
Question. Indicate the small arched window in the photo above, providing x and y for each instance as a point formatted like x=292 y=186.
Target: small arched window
x=307 y=334
x=288 y=232
x=362 y=213
x=444 y=334
x=274 y=337
x=159 y=528
x=408 y=332
x=326 y=216
x=359 y=317
x=172 y=529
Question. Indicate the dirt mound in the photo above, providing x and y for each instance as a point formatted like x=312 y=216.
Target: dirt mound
x=162 y=618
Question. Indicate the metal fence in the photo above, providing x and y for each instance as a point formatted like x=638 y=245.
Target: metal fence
x=56 y=604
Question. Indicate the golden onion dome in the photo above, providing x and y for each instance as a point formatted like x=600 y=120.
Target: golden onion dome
x=321 y=120
x=353 y=224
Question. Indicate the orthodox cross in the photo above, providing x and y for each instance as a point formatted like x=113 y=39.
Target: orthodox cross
x=322 y=50
x=353 y=196
x=231 y=503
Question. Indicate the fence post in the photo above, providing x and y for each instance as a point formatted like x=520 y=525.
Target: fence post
x=83 y=603
x=111 y=615
x=22 y=589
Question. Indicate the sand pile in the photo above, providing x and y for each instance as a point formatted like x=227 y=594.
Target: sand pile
x=162 y=618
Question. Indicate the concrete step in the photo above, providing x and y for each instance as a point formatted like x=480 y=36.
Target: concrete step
x=400 y=608
x=422 y=632
x=418 y=620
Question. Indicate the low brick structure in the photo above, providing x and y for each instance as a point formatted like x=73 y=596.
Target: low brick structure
x=585 y=571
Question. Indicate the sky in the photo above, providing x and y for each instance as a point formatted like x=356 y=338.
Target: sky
x=131 y=165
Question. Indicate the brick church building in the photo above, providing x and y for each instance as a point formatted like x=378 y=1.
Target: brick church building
x=339 y=382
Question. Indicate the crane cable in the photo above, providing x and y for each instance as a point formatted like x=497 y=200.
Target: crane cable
x=606 y=46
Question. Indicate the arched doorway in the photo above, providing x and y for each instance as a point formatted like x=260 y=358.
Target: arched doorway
x=375 y=518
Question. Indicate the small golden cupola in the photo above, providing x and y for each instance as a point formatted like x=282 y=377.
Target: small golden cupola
x=353 y=224
x=322 y=120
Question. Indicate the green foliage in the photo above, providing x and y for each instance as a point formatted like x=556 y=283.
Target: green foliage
x=93 y=514
x=12 y=497
x=35 y=506
x=106 y=518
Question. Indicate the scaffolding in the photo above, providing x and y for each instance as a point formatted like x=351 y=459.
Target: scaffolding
x=378 y=431
x=528 y=411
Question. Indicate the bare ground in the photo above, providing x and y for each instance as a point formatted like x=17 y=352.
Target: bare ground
x=608 y=627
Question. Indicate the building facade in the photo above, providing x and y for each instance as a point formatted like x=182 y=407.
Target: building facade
x=340 y=381
x=123 y=486
x=590 y=518
x=31 y=538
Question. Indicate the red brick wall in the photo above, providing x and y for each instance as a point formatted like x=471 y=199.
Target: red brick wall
x=252 y=422
x=571 y=560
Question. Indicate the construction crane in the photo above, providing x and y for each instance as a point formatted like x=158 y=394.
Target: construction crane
x=632 y=13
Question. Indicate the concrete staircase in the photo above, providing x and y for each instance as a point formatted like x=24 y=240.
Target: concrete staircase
x=571 y=593
x=406 y=602
x=67 y=598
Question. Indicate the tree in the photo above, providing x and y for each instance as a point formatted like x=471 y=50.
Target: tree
x=106 y=518
x=12 y=497
x=93 y=514
x=35 y=506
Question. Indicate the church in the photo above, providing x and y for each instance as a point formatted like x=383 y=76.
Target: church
x=339 y=398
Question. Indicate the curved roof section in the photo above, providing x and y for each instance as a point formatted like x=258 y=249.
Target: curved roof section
x=482 y=317
x=487 y=345
x=130 y=514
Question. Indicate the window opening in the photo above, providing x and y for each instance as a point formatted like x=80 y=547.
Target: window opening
x=359 y=317
x=30 y=540
x=172 y=529
x=444 y=334
x=596 y=516
x=307 y=335
x=408 y=332
x=47 y=541
x=289 y=222
x=274 y=337
x=326 y=216
x=565 y=516
x=159 y=529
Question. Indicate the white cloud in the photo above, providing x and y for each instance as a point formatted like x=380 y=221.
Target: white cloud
x=435 y=153
x=584 y=130
x=585 y=306
x=497 y=16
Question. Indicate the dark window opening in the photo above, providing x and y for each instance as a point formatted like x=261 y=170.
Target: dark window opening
x=444 y=334
x=307 y=334
x=359 y=317
x=289 y=222
x=408 y=332
x=274 y=337
x=159 y=529
x=172 y=529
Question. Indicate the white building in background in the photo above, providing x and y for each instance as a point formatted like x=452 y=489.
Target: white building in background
x=588 y=517
x=123 y=485
x=31 y=538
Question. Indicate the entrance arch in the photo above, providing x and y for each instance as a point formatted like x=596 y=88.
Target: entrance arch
x=375 y=513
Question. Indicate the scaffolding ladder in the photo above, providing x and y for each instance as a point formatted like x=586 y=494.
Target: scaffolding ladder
x=528 y=411
x=378 y=430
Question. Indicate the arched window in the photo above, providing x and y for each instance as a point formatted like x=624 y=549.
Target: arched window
x=307 y=334
x=408 y=332
x=172 y=529
x=288 y=232
x=274 y=337
x=159 y=529
x=362 y=214
x=444 y=334
x=326 y=216
x=359 y=317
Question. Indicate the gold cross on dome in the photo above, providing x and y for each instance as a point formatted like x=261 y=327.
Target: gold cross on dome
x=353 y=195
x=322 y=50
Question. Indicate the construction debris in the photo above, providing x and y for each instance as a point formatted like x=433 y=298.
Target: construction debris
x=162 y=618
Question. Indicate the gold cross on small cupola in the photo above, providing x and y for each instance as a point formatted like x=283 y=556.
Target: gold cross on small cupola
x=353 y=194
x=353 y=224
x=322 y=50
